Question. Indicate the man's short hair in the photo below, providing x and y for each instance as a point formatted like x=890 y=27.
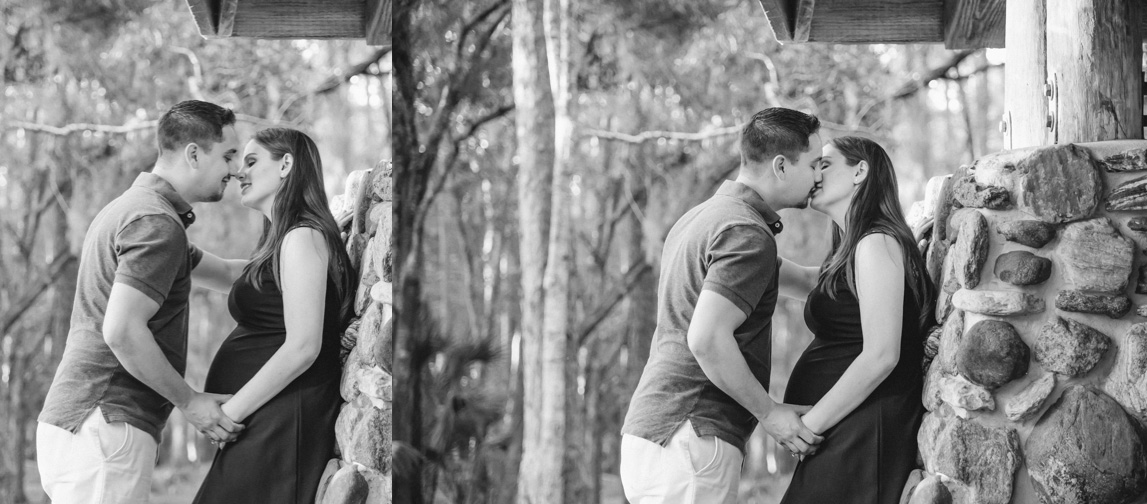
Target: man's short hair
x=777 y=131
x=193 y=121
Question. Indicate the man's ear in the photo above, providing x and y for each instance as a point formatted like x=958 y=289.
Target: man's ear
x=191 y=155
x=288 y=162
x=861 y=173
x=778 y=165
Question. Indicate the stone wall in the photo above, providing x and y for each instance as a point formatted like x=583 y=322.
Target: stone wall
x=361 y=473
x=1036 y=388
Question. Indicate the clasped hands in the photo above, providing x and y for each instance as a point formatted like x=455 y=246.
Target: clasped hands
x=205 y=412
x=785 y=425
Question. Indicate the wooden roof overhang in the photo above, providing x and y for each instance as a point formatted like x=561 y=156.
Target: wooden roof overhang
x=959 y=24
x=295 y=19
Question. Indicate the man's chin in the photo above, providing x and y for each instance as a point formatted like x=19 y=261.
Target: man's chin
x=214 y=198
x=805 y=203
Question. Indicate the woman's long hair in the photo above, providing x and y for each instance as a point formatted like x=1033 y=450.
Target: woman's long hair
x=301 y=201
x=875 y=208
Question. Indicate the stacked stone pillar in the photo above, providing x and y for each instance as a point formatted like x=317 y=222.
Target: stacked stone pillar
x=362 y=471
x=1036 y=388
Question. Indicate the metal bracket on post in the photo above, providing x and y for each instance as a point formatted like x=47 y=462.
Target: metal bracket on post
x=1051 y=91
x=1006 y=129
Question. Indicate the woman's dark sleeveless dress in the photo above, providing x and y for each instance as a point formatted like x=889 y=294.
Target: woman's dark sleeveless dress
x=866 y=457
x=281 y=455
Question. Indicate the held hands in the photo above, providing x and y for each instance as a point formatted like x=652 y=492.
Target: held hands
x=784 y=424
x=204 y=412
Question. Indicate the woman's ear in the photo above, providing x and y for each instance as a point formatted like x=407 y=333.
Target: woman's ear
x=288 y=162
x=861 y=173
x=779 y=167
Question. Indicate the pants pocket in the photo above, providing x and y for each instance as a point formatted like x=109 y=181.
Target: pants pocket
x=113 y=439
x=702 y=453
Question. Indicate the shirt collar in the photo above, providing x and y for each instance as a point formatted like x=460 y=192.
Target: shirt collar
x=156 y=183
x=752 y=198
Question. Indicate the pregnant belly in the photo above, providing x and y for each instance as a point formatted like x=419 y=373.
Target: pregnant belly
x=818 y=369
x=241 y=356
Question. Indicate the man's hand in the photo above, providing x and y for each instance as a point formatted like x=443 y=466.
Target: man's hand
x=784 y=424
x=204 y=412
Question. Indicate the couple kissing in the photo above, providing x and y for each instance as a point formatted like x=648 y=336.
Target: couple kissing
x=272 y=392
x=852 y=406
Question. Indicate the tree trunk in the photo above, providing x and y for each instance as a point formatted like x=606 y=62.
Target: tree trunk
x=641 y=307
x=556 y=282
x=407 y=427
x=508 y=485
x=534 y=131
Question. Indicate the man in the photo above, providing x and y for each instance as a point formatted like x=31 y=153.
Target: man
x=705 y=386
x=123 y=363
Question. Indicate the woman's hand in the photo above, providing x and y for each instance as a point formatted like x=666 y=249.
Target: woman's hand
x=796 y=281
x=216 y=273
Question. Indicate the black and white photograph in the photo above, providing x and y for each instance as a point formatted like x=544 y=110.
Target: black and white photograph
x=769 y=251
x=195 y=252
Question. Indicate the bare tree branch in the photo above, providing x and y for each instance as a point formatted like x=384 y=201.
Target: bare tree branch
x=80 y=128
x=620 y=290
x=70 y=129
x=481 y=121
x=472 y=24
x=910 y=88
x=647 y=136
x=29 y=296
x=448 y=166
x=195 y=82
x=731 y=166
x=333 y=82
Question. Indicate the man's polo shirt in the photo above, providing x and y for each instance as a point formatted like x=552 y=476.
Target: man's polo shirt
x=725 y=245
x=139 y=239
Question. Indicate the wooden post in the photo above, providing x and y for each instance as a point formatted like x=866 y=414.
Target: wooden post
x=1025 y=104
x=1094 y=59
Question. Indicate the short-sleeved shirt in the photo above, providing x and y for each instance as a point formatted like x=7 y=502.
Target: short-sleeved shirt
x=140 y=240
x=725 y=245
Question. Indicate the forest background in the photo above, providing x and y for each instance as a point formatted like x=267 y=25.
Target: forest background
x=543 y=150
x=81 y=87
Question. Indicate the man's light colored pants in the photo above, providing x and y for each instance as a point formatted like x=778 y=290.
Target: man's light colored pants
x=101 y=464
x=687 y=470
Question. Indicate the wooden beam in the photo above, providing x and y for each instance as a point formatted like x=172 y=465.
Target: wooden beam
x=204 y=14
x=972 y=24
x=299 y=19
x=1094 y=58
x=877 y=21
x=227 y=9
x=777 y=12
x=1025 y=104
x=802 y=23
x=960 y=24
x=377 y=17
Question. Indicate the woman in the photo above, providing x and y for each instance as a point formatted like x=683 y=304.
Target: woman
x=281 y=362
x=869 y=309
